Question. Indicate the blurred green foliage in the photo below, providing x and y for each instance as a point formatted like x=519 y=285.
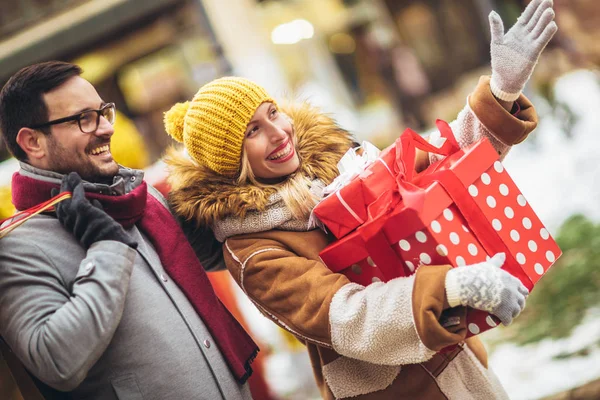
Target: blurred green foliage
x=571 y=288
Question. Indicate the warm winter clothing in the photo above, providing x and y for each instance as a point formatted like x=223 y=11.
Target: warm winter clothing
x=375 y=342
x=515 y=54
x=107 y=322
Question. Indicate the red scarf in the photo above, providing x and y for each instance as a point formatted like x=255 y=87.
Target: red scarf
x=176 y=255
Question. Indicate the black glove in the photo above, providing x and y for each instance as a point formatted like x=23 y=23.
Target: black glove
x=87 y=221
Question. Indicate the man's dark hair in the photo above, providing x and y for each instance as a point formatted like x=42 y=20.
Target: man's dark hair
x=22 y=103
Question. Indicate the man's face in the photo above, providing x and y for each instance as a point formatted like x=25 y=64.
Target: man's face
x=68 y=149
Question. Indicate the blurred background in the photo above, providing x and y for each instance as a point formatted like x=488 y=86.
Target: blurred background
x=378 y=66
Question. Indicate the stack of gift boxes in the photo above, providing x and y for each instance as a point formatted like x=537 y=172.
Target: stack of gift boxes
x=460 y=211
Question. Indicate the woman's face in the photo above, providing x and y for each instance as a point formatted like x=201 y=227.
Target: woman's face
x=269 y=144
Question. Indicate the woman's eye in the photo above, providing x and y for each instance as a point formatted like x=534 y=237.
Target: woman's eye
x=252 y=131
x=273 y=112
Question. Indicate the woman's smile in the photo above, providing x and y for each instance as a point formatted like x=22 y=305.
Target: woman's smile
x=283 y=153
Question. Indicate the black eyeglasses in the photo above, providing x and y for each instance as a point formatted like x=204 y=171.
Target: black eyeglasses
x=87 y=120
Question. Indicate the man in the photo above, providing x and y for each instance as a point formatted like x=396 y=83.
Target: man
x=94 y=300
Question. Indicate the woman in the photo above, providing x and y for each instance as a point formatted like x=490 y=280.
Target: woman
x=254 y=174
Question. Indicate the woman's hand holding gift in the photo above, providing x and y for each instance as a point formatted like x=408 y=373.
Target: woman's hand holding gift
x=486 y=287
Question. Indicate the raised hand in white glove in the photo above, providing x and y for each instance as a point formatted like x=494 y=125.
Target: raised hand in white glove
x=486 y=287
x=515 y=54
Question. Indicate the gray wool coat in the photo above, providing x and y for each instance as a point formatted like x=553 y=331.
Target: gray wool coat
x=106 y=323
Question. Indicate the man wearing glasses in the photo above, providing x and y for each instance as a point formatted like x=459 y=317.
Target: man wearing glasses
x=94 y=301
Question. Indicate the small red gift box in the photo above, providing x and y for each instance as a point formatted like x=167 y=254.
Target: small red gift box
x=346 y=209
x=460 y=211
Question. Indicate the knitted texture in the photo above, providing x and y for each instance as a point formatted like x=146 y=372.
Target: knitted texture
x=212 y=125
x=486 y=287
x=515 y=54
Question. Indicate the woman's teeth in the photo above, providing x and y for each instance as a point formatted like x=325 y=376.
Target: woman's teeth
x=99 y=150
x=283 y=153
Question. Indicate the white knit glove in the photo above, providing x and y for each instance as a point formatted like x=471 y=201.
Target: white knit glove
x=515 y=54
x=486 y=287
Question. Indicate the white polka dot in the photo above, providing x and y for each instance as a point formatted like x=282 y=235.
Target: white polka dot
x=436 y=227
x=425 y=258
x=441 y=250
x=421 y=237
x=544 y=234
x=404 y=245
x=527 y=223
x=491 y=201
x=497 y=224
x=356 y=269
x=521 y=258
x=514 y=235
x=375 y=279
x=485 y=178
x=503 y=190
x=490 y=321
x=474 y=329
x=465 y=229
x=371 y=262
x=550 y=256
x=532 y=245
x=410 y=266
x=521 y=200
x=539 y=268
x=472 y=249
x=454 y=238
x=509 y=212
x=460 y=261
x=448 y=214
x=498 y=167
x=473 y=190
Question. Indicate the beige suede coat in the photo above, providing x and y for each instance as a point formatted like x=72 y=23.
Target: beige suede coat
x=374 y=342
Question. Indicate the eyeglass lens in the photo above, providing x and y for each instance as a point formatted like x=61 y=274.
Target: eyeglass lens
x=89 y=120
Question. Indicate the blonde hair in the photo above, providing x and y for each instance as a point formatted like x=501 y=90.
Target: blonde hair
x=294 y=190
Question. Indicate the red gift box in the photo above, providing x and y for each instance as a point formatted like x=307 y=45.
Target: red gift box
x=459 y=211
x=347 y=209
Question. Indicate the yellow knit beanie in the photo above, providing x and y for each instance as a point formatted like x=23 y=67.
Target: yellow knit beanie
x=212 y=125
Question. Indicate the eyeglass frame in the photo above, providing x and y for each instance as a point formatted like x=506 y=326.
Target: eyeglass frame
x=77 y=117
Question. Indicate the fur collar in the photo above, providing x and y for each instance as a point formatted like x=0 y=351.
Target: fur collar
x=202 y=195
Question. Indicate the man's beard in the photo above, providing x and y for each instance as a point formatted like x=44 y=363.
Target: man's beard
x=63 y=162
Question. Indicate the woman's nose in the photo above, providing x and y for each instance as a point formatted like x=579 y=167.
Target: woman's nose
x=276 y=134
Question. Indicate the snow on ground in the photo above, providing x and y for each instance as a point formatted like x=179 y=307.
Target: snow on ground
x=530 y=372
x=559 y=176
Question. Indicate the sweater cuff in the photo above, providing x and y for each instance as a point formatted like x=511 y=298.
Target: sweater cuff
x=506 y=128
x=452 y=289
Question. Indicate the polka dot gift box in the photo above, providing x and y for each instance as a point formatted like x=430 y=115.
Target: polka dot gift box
x=459 y=211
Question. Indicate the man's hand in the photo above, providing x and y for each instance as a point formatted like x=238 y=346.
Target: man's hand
x=87 y=221
x=515 y=54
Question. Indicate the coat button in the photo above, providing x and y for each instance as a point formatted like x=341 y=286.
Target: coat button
x=133 y=179
x=163 y=277
x=207 y=344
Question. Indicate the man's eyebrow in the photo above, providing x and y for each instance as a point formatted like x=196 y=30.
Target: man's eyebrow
x=102 y=104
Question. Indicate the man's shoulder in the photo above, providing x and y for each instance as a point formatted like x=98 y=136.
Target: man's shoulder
x=38 y=231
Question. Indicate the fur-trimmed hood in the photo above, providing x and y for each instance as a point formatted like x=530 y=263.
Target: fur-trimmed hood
x=202 y=195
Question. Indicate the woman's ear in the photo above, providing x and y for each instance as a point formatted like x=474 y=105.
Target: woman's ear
x=32 y=142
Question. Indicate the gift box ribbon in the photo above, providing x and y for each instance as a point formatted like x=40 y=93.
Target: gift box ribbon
x=413 y=197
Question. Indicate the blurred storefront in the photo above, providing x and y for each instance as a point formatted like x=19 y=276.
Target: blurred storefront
x=372 y=63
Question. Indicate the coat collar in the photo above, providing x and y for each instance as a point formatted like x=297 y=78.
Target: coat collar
x=124 y=182
x=202 y=195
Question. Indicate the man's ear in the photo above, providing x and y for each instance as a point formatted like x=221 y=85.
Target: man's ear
x=32 y=142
